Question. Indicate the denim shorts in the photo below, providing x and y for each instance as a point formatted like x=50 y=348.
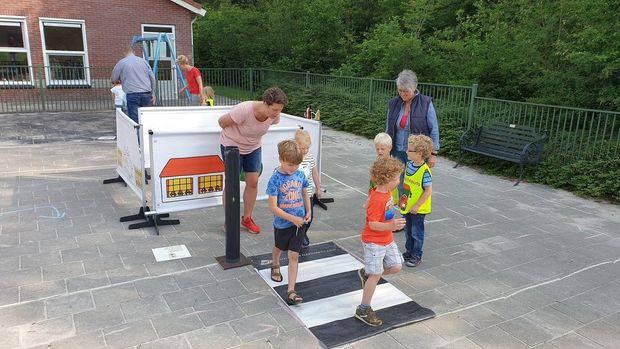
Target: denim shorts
x=248 y=162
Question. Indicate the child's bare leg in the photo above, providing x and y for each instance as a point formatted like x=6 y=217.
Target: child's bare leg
x=293 y=261
x=393 y=270
x=275 y=256
x=369 y=288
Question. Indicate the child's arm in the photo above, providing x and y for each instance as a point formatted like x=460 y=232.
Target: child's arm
x=273 y=207
x=316 y=178
x=307 y=204
x=428 y=191
x=394 y=224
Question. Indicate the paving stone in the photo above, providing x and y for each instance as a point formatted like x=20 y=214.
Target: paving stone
x=62 y=243
x=62 y=271
x=254 y=327
x=130 y=334
x=101 y=317
x=214 y=337
x=553 y=321
x=116 y=248
x=462 y=343
x=495 y=337
x=433 y=299
x=20 y=277
x=79 y=254
x=601 y=333
x=381 y=340
x=144 y=307
x=9 y=264
x=256 y=303
x=41 y=290
x=299 y=339
x=480 y=317
x=254 y=283
x=165 y=267
x=21 y=249
x=508 y=308
x=87 y=282
x=219 y=311
x=155 y=286
x=462 y=293
x=115 y=294
x=127 y=273
x=70 y=304
x=185 y=298
x=225 y=289
x=285 y=318
x=21 y=314
x=182 y=321
x=102 y=263
x=177 y=342
x=193 y=278
x=44 y=332
x=526 y=331
x=9 y=295
x=10 y=338
x=90 y=340
x=91 y=240
x=229 y=274
x=450 y=327
x=37 y=260
x=417 y=334
x=573 y=341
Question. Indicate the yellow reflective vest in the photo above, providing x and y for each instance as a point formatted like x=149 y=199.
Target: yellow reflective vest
x=209 y=102
x=413 y=190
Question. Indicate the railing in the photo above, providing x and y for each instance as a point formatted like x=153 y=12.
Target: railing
x=574 y=133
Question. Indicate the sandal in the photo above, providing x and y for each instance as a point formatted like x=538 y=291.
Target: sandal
x=276 y=276
x=292 y=298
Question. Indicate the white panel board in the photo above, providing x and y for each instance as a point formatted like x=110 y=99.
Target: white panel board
x=128 y=158
x=312 y=126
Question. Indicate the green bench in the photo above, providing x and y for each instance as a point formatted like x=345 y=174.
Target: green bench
x=515 y=143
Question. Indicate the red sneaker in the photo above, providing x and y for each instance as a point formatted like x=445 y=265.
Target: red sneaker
x=249 y=224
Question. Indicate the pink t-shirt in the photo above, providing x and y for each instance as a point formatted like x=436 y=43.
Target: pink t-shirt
x=247 y=132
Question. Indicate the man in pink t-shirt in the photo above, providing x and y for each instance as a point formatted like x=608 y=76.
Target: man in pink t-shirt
x=244 y=127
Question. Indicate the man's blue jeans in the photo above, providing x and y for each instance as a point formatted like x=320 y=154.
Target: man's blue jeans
x=137 y=100
x=414 y=231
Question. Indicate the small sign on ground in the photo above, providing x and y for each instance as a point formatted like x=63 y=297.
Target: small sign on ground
x=170 y=252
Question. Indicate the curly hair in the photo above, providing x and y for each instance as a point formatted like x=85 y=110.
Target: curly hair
x=385 y=169
x=274 y=95
x=288 y=150
x=421 y=144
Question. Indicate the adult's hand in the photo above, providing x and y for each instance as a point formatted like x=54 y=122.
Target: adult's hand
x=153 y=99
x=432 y=160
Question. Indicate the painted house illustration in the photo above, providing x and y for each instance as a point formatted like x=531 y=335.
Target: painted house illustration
x=192 y=178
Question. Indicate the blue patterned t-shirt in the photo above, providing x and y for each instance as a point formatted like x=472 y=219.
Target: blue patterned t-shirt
x=287 y=188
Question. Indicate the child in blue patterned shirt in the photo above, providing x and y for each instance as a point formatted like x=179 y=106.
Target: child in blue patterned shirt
x=290 y=204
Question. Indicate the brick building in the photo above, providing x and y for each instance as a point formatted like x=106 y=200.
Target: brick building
x=75 y=43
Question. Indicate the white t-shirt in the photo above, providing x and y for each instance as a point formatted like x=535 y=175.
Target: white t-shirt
x=119 y=95
x=306 y=166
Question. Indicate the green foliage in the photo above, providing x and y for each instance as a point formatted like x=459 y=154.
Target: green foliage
x=554 y=52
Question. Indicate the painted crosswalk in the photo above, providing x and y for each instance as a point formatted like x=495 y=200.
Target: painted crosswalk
x=328 y=282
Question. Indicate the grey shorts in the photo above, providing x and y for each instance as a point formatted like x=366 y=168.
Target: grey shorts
x=378 y=257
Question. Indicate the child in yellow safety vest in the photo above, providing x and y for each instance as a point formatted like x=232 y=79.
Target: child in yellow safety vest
x=209 y=94
x=415 y=201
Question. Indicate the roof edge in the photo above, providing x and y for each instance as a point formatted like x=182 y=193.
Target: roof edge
x=189 y=6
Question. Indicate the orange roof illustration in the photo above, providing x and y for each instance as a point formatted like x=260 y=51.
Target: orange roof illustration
x=192 y=166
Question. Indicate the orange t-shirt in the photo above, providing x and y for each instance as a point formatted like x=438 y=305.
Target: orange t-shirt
x=375 y=212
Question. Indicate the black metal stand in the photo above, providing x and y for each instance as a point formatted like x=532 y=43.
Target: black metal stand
x=233 y=257
x=321 y=202
x=118 y=179
x=151 y=220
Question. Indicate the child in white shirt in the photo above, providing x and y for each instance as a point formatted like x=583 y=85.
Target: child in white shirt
x=119 y=95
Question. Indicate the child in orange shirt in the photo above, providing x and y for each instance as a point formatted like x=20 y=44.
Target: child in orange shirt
x=381 y=254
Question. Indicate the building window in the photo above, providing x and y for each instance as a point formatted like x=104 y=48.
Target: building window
x=179 y=187
x=14 y=52
x=164 y=64
x=65 y=52
x=209 y=184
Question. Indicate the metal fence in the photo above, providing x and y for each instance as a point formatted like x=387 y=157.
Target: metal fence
x=574 y=133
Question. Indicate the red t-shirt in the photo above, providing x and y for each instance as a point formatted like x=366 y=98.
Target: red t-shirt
x=192 y=83
x=375 y=212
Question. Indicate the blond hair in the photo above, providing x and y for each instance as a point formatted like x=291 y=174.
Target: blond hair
x=384 y=169
x=383 y=139
x=302 y=137
x=420 y=144
x=208 y=91
x=183 y=60
x=288 y=150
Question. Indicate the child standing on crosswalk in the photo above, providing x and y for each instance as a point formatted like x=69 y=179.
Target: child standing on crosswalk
x=381 y=254
x=290 y=204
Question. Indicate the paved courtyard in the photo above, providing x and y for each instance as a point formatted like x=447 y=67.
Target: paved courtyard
x=504 y=266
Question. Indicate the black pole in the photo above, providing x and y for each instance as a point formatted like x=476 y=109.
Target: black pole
x=231 y=204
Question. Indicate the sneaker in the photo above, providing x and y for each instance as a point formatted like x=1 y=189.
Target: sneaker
x=407 y=256
x=362 y=275
x=368 y=316
x=414 y=262
x=249 y=224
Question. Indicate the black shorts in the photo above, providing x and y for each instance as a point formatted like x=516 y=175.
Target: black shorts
x=290 y=238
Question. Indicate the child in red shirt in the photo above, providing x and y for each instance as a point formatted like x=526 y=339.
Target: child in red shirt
x=381 y=255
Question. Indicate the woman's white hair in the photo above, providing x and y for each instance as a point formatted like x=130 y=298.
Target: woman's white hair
x=408 y=80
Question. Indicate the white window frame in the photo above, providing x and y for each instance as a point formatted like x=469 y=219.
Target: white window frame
x=174 y=42
x=25 y=49
x=61 y=22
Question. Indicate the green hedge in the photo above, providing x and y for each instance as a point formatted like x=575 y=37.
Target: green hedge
x=596 y=179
